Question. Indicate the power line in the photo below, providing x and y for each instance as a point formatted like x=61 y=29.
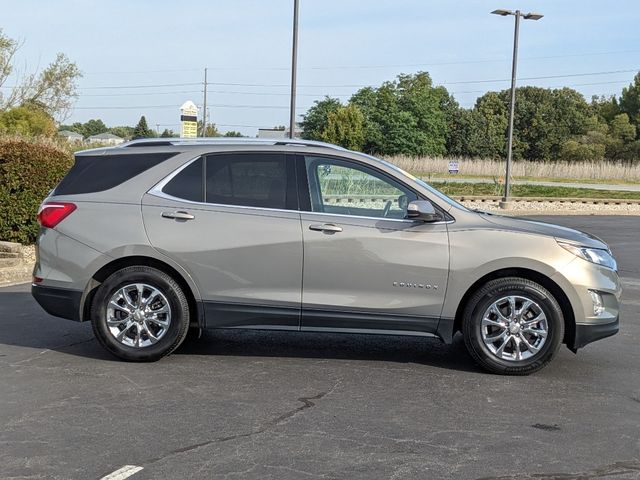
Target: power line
x=462 y=82
x=126 y=107
x=137 y=94
x=142 y=86
x=542 y=77
x=316 y=95
x=233 y=84
x=353 y=67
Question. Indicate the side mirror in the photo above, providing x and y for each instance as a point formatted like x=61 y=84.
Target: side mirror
x=422 y=210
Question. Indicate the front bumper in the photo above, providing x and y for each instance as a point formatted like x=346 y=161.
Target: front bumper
x=587 y=333
x=59 y=302
x=577 y=279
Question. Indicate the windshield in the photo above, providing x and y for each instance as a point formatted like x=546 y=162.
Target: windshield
x=423 y=184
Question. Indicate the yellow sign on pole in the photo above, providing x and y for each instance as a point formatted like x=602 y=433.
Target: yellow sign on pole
x=188 y=120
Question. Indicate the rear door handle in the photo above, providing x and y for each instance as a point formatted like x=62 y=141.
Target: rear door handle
x=178 y=215
x=326 y=227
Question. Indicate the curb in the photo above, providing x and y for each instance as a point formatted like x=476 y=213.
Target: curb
x=16 y=275
x=590 y=201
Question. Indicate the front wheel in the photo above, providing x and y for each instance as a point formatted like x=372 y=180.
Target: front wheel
x=140 y=314
x=513 y=326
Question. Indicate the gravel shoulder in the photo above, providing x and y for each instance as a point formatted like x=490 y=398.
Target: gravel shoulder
x=554 y=208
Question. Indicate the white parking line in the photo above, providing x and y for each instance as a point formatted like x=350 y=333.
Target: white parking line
x=122 y=473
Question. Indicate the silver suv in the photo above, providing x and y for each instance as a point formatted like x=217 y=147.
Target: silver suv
x=153 y=238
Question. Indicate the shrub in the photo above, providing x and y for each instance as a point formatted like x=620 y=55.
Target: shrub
x=29 y=169
x=28 y=121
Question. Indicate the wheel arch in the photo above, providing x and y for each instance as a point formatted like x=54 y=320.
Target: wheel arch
x=545 y=281
x=195 y=307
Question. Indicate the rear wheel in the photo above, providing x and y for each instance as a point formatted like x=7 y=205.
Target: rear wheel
x=513 y=326
x=140 y=314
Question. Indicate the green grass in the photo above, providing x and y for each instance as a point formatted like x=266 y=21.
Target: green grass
x=457 y=189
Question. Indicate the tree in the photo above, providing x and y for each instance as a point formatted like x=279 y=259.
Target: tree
x=621 y=128
x=315 y=120
x=53 y=89
x=125 y=131
x=142 y=130
x=210 y=131
x=544 y=120
x=405 y=116
x=27 y=121
x=582 y=150
x=75 y=127
x=166 y=133
x=630 y=101
x=232 y=133
x=345 y=127
x=492 y=119
x=94 y=127
x=620 y=143
x=605 y=107
x=475 y=133
x=429 y=106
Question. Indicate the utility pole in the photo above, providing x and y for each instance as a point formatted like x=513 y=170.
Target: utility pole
x=204 y=108
x=294 y=67
x=158 y=128
x=512 y=103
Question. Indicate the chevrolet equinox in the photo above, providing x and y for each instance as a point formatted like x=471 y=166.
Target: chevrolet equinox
x=152 y=238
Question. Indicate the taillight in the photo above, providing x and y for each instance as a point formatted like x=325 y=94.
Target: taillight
x=51 y=214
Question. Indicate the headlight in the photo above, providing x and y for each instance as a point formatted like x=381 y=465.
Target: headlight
x=593 y=255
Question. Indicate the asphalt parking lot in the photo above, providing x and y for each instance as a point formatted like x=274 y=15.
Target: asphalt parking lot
x=244 y=405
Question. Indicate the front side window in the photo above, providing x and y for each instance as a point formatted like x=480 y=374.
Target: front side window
x=342 y=187
x=252 y=180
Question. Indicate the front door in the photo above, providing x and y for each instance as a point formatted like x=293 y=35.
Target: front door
x=366 y=267
x=232 y=221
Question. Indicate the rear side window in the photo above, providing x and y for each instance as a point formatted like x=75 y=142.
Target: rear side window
x=187 y=184
x=252 y=180
x=96 y=173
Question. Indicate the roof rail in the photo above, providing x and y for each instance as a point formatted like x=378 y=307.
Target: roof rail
x=156 y=142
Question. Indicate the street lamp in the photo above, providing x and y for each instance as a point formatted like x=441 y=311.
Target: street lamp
x=294 y=68
x=527 y=16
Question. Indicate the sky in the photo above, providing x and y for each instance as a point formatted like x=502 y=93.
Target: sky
x=148 y=57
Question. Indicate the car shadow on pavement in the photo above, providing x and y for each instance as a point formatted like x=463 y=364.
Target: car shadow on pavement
x=24 y=324
x=358 y=347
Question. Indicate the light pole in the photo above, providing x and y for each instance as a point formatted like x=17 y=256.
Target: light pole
x=512 y=104
x=294 y=67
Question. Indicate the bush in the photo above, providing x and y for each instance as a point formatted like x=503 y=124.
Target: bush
x=29 y=169
x=28 y=121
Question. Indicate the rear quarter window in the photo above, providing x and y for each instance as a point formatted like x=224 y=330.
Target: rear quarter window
x=96 y=173
x=187 y=184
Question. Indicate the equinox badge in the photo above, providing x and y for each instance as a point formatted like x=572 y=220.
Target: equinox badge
x=415 y=285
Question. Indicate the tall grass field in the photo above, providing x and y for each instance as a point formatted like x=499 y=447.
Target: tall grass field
x=602 y=171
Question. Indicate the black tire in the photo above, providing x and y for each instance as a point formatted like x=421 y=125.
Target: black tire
x=491 y=292
x=175 y=333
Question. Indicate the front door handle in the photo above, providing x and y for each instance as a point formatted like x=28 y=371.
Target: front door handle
x=326 y=227
x=178 y=215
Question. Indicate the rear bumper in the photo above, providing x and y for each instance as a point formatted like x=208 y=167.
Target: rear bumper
x=59 y=302
x=587 y=333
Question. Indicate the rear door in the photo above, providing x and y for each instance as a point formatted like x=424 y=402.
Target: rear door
x=366 y=267
x=232 y=221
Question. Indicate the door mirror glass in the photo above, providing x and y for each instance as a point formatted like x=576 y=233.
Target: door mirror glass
x=422 y=210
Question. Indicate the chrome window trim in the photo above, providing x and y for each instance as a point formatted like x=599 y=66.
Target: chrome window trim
x=403 y=220
x=161 y=194
x=156 y=191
